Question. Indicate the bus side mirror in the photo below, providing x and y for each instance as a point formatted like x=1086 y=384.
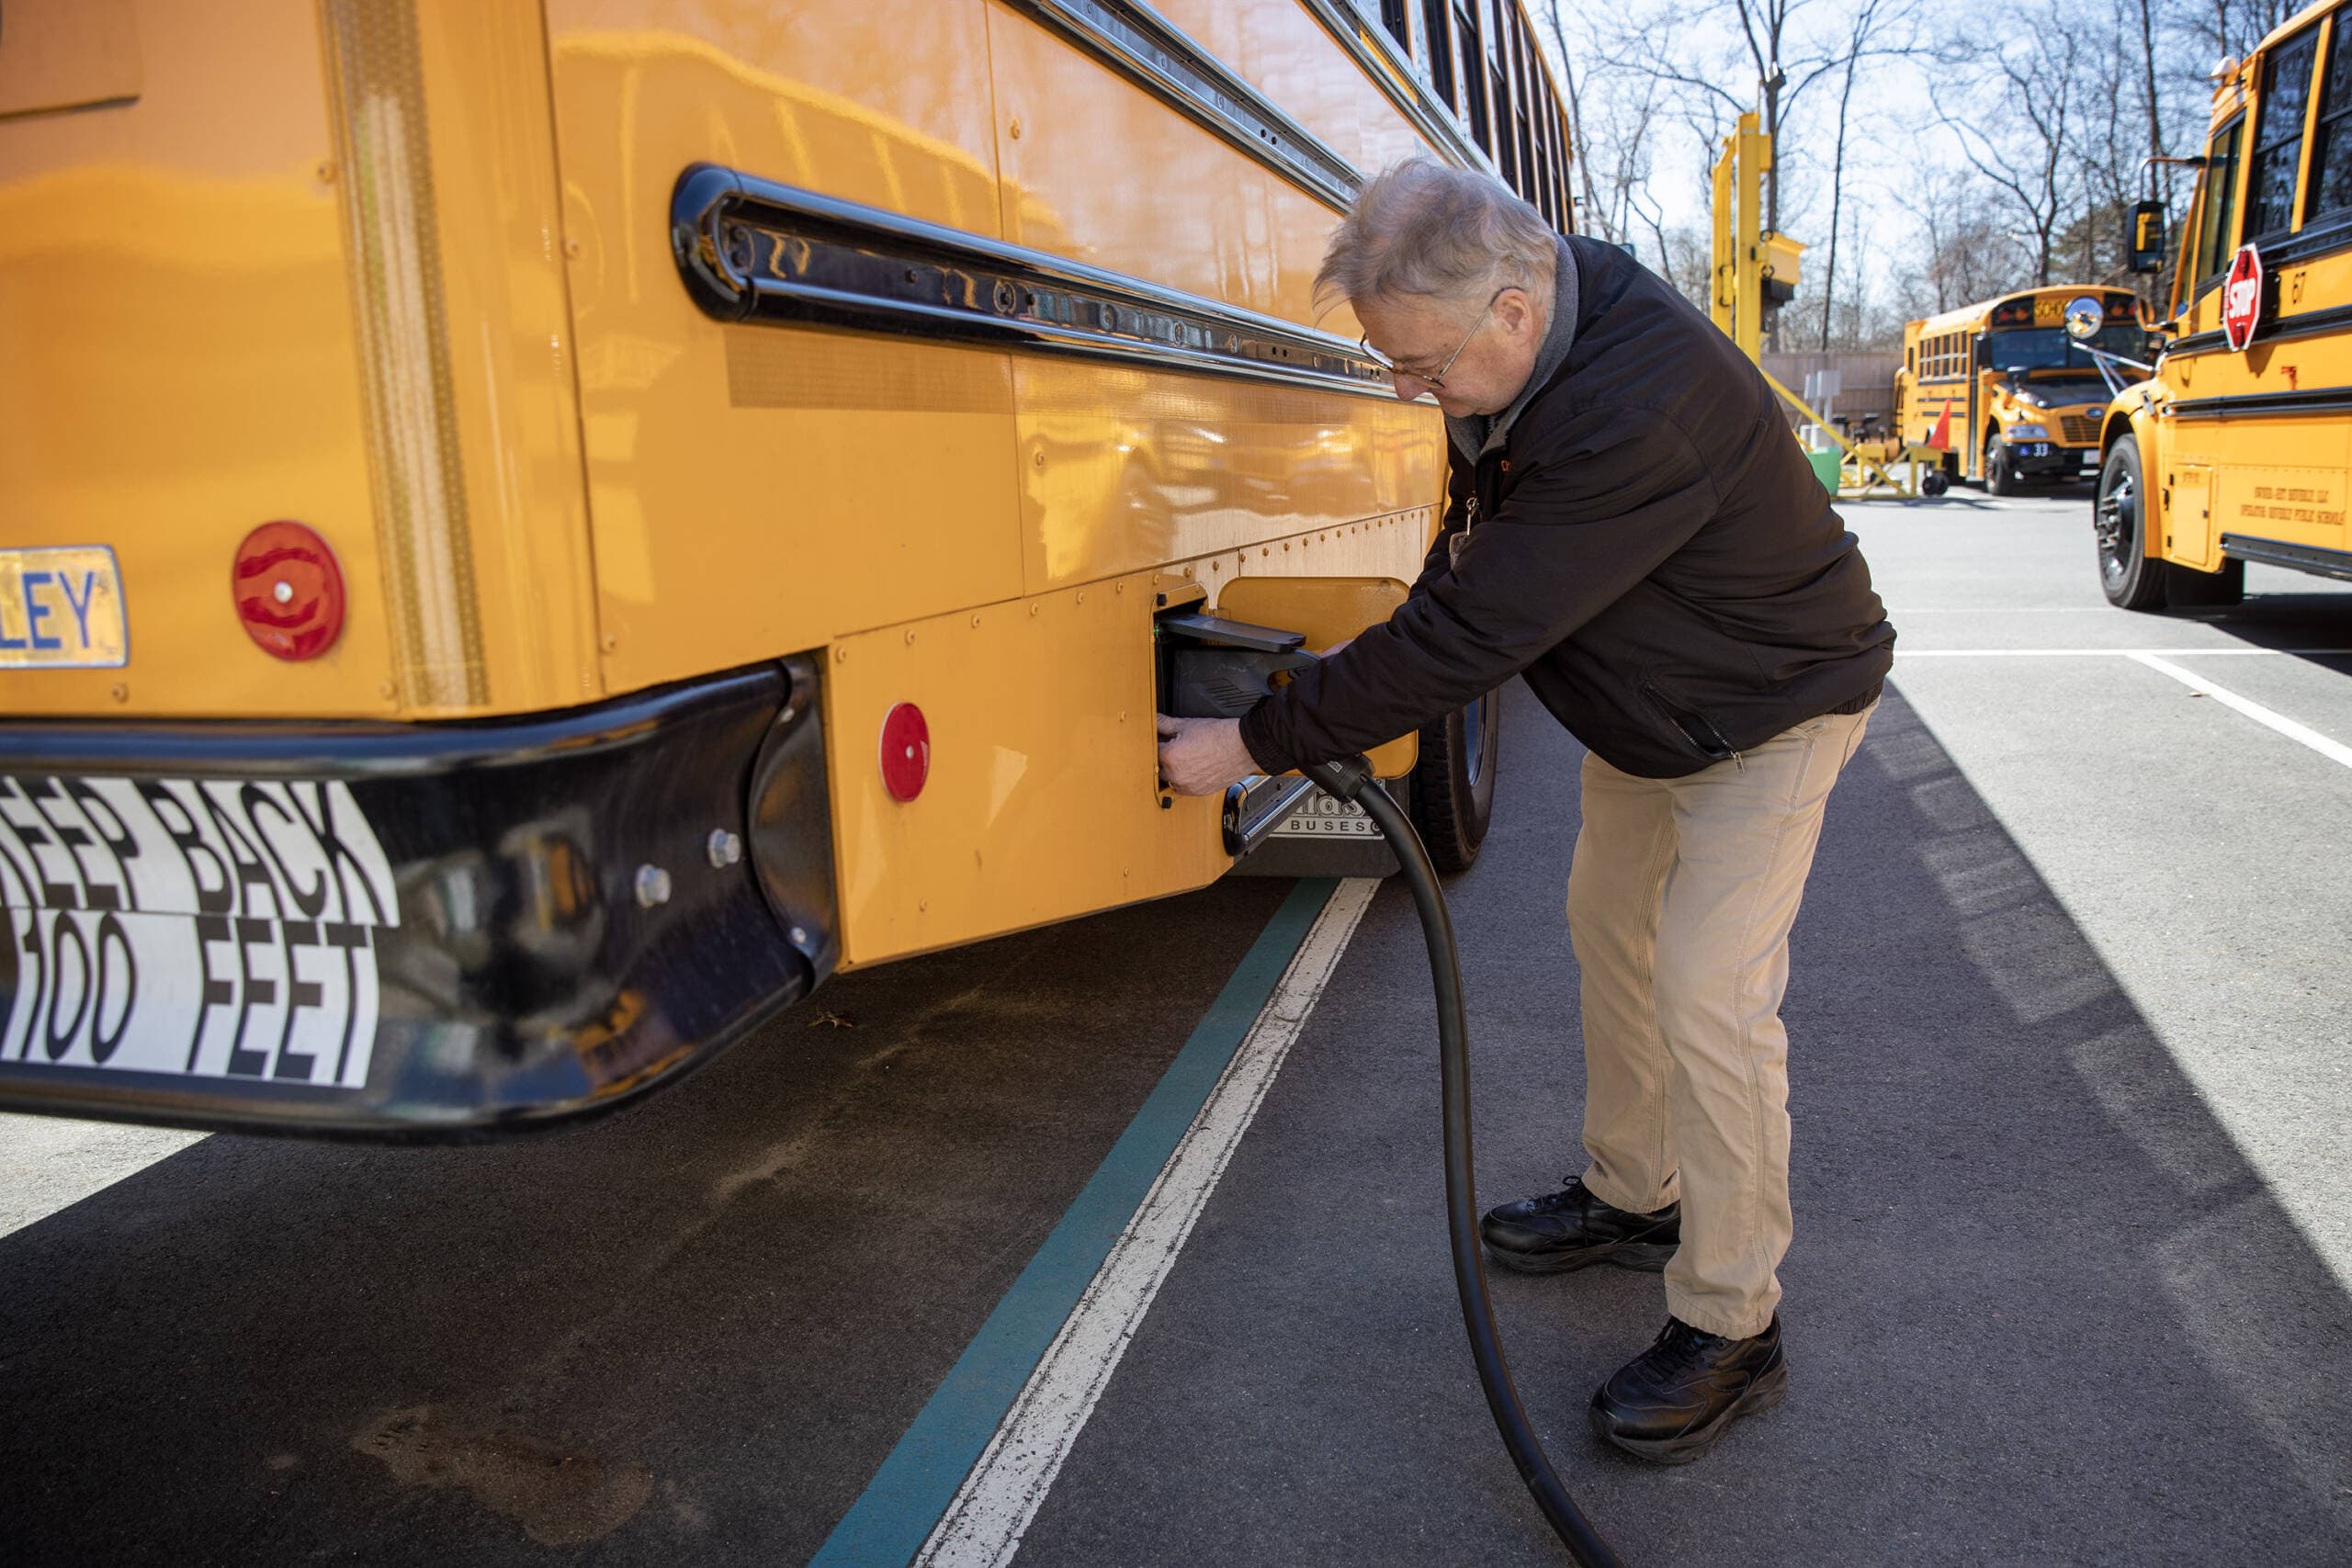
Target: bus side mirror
x=2147 y=236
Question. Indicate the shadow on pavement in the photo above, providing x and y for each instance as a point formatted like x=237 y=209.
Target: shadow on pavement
x=2310 y=622
x=686 y=1335
x=2039 y=1308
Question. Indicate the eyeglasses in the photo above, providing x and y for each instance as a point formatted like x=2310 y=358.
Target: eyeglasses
x=1436 y=382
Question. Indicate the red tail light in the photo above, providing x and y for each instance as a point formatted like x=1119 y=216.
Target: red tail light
x=906 y=751
x=289 y=591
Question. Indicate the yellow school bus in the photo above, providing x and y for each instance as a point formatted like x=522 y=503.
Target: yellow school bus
x=2234 y=449
x=2007 y=393
x=533 y=532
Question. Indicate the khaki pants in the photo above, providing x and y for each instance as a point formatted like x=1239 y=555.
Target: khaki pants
x=1680 y=903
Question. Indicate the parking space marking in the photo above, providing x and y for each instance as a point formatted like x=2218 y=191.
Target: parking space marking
x=984 y=1524
x=926 y=1474
x=2335 y=751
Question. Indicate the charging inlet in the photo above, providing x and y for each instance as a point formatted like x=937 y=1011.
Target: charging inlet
x=1214 y=668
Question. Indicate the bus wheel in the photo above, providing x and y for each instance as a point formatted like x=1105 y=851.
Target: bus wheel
x=2130 y=577
x=1453 y=783
x=2000 y=476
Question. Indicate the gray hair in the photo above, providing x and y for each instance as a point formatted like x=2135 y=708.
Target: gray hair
x=1420 y=228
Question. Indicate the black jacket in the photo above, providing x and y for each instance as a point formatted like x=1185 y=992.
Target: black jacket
x=1648 y=546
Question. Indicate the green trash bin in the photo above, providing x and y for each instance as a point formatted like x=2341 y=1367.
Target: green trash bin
x=1825 y=466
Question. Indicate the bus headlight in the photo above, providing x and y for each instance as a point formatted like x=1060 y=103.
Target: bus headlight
x=2029 y=432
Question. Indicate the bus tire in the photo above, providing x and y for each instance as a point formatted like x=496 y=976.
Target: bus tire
x=2001 y=474
x=1454 y=781
x=2131 y=578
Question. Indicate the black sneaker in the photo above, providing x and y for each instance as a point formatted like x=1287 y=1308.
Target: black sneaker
x=1561 y=1230
x=1672 y=1403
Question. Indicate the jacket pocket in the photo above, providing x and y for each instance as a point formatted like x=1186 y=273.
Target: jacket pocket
x=1695 y=727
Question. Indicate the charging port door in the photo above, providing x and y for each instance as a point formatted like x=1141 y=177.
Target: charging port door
x=1213 y=668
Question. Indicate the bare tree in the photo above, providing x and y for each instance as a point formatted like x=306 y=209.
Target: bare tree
x=1611 y=146
x=2027 y=153
x=1876 y=30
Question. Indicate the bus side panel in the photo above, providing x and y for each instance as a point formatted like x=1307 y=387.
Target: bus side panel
x=1121 y=469
x=2275 y=477
x=1104 y=173
x=1040 y=803
x=1129 y=469
x=756 y=490
x=1278 y=49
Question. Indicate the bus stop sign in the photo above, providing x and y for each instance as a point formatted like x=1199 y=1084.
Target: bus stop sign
x=2242 y=298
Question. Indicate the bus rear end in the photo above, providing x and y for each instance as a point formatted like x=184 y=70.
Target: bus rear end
x=314 y=809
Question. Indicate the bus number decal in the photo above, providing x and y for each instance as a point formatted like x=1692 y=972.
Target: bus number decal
x=220 y=928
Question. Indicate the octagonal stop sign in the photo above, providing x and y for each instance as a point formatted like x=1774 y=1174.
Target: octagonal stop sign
x=2242 y=298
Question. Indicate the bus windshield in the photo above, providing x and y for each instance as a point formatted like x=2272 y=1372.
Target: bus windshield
x=2049 y=348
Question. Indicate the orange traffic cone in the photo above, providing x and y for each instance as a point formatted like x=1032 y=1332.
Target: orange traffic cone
x=1942 y=439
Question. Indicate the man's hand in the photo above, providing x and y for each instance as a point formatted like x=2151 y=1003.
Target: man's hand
x=1201 y=756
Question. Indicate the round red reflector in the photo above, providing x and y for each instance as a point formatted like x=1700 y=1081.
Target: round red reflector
x=289 y=591
x=906 y=751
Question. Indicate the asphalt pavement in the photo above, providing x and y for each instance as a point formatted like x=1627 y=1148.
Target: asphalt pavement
x=2071 y=1084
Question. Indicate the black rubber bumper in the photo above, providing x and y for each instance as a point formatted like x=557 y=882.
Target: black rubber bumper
x=408 y=930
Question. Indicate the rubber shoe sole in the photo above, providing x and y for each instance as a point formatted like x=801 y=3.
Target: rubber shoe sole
x=1762 y=1394
x=1649 y=1257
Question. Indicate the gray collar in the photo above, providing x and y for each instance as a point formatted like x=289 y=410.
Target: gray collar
x=1476 y=435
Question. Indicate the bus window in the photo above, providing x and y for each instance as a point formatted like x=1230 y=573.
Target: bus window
x=1531 y=85
x=2332 y=152
x=1392 y=16
x=1499 y=95
x=2279 y=137
x=1441 y=53
x=2051 y=348
x=1467 y=35
x=2217 y=204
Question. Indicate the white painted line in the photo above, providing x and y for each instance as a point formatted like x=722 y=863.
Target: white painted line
x=48 y=1163
x=983 y=1528
x=2335 y=751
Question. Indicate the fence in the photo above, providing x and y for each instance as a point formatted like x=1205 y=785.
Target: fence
x=1868 y=383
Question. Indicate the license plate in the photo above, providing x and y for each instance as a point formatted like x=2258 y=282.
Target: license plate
x=212 y=927
x=61 y=609
x=1323 y=817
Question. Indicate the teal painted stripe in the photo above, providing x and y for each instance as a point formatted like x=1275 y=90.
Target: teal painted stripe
x=907 y=1498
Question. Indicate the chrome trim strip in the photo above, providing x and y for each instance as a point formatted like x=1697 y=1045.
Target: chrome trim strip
x=1149 y=50
x=1259 y=805
x=750 y=250
x=1390 y=71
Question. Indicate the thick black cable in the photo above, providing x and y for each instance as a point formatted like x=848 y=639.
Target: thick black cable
x=1351 y=779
